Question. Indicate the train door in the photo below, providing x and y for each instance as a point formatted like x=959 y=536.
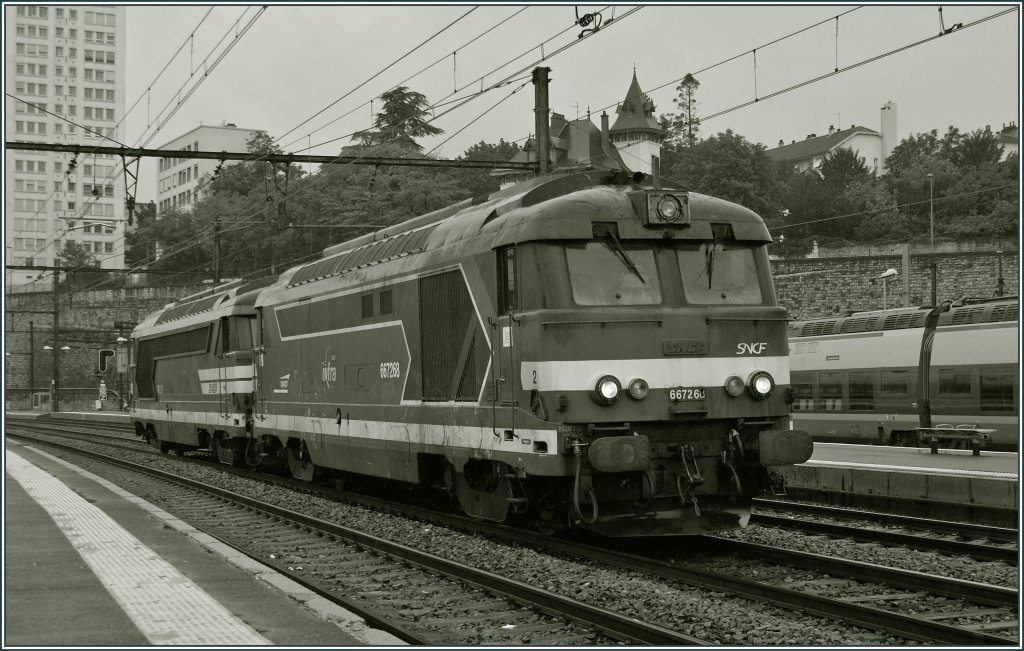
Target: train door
x=504 y=342
x=258 y=387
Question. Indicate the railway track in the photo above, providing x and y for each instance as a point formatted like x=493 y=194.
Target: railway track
x=981 y=542
x=421 y=598
x=808 y=583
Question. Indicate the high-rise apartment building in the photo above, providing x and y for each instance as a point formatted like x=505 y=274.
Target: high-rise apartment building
x=180 y=181
x=65 y=66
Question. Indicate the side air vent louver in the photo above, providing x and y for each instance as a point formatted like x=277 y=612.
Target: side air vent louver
x=188 y=309
x=814 y=328
x=369 y=254
x=1006 y=312
x=858 y=324
x=964 y=315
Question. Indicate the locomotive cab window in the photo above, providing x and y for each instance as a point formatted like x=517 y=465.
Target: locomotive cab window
x=716 y=273
x=508 y=282
x=611 y=273
x=237 y=334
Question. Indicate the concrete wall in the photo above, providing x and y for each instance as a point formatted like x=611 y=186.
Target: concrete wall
x=87 y=324
x=819 y=287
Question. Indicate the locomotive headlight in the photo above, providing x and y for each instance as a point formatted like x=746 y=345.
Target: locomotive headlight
x=607 y=389
x=638 y=388
x=734 y=386
x=669 y=208
x=761 y=384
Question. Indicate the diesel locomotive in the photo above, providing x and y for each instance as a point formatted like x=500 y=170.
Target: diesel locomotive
x=581 y=350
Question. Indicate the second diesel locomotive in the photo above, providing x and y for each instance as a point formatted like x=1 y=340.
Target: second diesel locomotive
x=578 y=350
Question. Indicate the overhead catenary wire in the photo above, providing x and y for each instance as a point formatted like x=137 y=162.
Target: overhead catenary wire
x=262 y=209
x=410 y=77
x=379 y=73
x=868 y=60
x=181 y=101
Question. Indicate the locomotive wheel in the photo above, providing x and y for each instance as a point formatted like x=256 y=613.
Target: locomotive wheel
x=300 y=465
x=450 y=481
x=549 y=518
x=225 y=451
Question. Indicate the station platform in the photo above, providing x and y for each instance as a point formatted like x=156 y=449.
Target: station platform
x=955 y=477
x=94 y=416
x=89 y=564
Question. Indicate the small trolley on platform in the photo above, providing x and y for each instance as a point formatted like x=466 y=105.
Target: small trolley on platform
x=966 y=434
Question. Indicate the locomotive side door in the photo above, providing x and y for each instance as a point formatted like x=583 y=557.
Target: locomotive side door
x=506 y=367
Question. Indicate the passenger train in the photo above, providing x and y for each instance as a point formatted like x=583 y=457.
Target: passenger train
x=580 y=350
x=882 y=376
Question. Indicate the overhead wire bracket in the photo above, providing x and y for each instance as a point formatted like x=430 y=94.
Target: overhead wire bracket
x=131 y=182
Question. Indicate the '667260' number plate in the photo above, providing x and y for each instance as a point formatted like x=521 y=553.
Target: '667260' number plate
x=676 y=394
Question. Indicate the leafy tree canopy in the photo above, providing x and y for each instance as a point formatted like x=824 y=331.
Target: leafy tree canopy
x=401 y=120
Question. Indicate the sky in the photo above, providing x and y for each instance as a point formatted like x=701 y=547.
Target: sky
x=308 y=74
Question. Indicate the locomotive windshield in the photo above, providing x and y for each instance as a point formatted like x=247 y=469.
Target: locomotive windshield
x=719 y=274
x=607 y=272
x=612 y=275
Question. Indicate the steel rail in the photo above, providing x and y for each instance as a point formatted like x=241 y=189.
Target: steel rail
x=856 y=614
x=981 y=593
x=973 y=550
x=611 y=623
x=1002 y=534
x=859 y=615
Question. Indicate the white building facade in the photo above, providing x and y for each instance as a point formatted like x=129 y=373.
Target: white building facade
x=65 y=66
x=180 y=181
x=872 y=146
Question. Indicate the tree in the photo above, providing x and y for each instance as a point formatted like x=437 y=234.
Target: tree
x=958 y=184
x=400 y=121
x=729 y=167
x=686 y=124
x=977 y=149
x=843 y=166
x=75 y=255
x=480 y=182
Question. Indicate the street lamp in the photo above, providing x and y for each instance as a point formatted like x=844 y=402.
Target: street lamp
x=931 y=210
x=885 y=276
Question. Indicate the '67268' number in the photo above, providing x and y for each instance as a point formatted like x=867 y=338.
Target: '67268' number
x=390 y=370
x=676 y=394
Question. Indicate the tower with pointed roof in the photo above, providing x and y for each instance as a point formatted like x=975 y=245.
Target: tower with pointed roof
x=636 y=133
